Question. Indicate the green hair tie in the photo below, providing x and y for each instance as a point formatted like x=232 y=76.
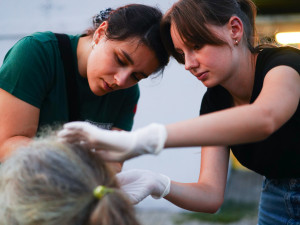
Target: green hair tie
x=101 y=190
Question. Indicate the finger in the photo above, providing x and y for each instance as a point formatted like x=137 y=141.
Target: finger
x=124 y=177
x=72 y=134
x=134 y=200
x=121 y=180
x=71 y=139
x=76 y=140
x=82 y=127
x=111 y=156
x=63 y=133
x=128 y=177
x=75 y=125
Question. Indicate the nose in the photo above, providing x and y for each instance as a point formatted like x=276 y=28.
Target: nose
x=122 y=77
x=190 y=62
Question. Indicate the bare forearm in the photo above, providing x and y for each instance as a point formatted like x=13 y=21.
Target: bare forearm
x=195 y=197
x=246 y=123
x=9 y=145
x=233 y=126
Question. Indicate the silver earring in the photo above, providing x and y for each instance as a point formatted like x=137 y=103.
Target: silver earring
x=93 y=44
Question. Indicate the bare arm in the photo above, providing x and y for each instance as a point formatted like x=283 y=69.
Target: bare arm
x=18 y=123
x=208 y=194
x=274 y=106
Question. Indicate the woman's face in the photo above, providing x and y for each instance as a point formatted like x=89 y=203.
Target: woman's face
x=212 y=65
x=114 y=65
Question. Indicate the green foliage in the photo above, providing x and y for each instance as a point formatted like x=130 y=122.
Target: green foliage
x=230 y=212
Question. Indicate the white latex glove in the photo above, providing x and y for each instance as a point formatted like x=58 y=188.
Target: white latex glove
x=118 y=145
x=138 y=184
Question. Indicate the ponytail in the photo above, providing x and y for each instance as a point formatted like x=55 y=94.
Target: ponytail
x=249 y=8
x=113 y=208
x=63 y=178
x=249 y=11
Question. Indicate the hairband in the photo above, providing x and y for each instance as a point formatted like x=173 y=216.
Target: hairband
x=101 y=190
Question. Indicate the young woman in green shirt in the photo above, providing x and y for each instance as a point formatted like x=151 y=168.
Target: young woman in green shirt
x=121 y=48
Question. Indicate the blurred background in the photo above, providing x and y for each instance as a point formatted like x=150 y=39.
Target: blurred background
x=175 y=95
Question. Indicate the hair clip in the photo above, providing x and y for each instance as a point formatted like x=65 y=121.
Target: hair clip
x=103 y=15
x=101 y=190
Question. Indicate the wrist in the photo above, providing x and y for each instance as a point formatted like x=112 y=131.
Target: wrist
x=161 y=185
x=162 y=137
x=150 y=139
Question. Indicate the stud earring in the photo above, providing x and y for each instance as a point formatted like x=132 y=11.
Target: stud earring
x=93 y=44
x=236 y=42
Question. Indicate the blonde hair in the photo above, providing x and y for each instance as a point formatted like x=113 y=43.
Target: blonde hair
x=51 y=183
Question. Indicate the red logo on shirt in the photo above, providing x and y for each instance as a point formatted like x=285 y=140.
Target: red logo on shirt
x=135 y=108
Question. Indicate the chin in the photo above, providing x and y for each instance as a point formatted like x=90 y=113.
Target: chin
x=97 y=91
x=209 y=84
x=100 y=93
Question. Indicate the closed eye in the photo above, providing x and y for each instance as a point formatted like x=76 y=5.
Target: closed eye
x=119 y=61
x=197 y=47
x=138 y=76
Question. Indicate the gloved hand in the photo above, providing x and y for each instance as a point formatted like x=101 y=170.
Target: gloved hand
x=138 y=184
x=118 y=145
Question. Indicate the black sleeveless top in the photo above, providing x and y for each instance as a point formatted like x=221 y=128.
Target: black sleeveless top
x=278 y=156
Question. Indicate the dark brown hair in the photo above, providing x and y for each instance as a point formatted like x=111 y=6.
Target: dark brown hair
x=134 y=21
x=193 y=17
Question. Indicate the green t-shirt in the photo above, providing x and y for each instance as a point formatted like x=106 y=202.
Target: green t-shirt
x=33 y=71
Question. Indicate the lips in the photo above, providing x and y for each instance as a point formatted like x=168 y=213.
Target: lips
x=107 y=86
x=202 y=76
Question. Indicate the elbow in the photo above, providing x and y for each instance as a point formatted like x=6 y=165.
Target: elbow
x=266 y=130
x=215 y=206
x=267 y=126
x=212 y=206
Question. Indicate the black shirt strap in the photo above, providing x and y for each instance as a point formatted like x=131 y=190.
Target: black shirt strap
x=65 y=49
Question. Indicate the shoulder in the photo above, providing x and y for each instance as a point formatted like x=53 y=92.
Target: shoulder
x=36 y=44
x=269 y=58
x=37 y=38
x=43 y=36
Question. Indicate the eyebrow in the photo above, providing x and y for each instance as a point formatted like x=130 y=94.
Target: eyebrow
x=127 y=56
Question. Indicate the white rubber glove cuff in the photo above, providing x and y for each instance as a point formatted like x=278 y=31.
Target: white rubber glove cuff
x=150 y=139
x=164 y=183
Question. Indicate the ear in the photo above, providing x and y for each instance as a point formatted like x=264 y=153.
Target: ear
x=235 y=25
x=100 y=32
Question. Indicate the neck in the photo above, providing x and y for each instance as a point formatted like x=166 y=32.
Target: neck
x=241 y=84
x=83 y=51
